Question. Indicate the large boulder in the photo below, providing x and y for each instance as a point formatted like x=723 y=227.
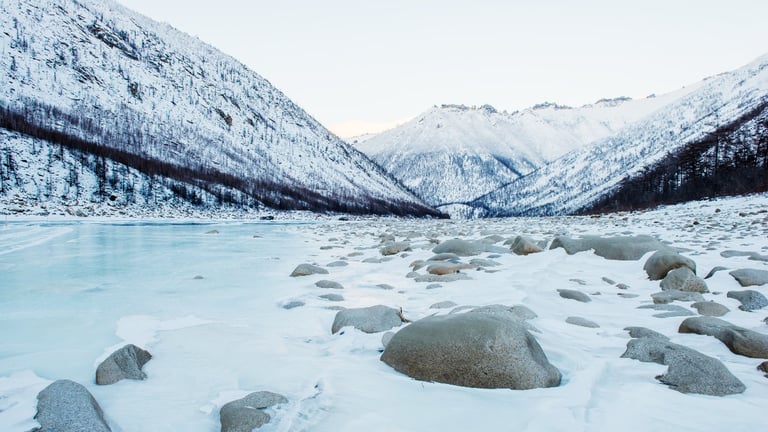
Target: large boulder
x=689 y=370
x=613 y=248
x=372 y=319
x=663 y=261
x=125 y=363
x=247 y=414
x=66 y=406
x=307 y=270
x=484 y=350
x=750 y=277
x=738 y=339
x=750 y=300
x=710 y=308
x=525 y=246
x=683 y=279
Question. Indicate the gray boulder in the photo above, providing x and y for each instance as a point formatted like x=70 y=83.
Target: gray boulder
x=754 y=256
x=332 y=297
x=738 y=339
x=460 y=247
x=446 y=269
x=328 y=284
x=481 y=262
x=372 y=319
x=525 y=246
x=293 y=304
x=750 y=277
x=642 y=332
x=750 y=300
x=665 y=297
x=715 y=270
x=125 y=363
x=574 y=295
x=247 y=414
x=710 y=308
x=689 y=370
x=663 y=261
x=66 y=406
x=395 y=248
x=582 y=322
x=432 y=278
x=307 y=270
x=613 y=248
x=445 y=257
x=443 y=305
x=669 y=310
x=683 y=279
x=480 y=350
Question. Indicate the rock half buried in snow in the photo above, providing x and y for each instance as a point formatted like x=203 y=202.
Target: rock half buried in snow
x=525 y=246
x=460 y=247
x=328 y=284
x=689 y=370
x=612 y=248
x=750 y=277
x=66 y=406
x=750 y=300
x=372 y=319
x=669 y=310
x=125 y=363
x=472 y=350
x=395 y=248
x=683 y=279
x=738 y=339
x=574 y=295
x=665 y=297
x=582 y=322
x=307 y=270
x=663 y=261
x=710 y=308
x=247 y=414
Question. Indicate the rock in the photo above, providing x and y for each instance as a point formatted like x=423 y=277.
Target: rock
x=460 y=247
x=66 y=406
x=671 y=310
x=443 y=305
x=689 y=371
x=627 y=295
x=293 y=304
x=665 y=297
x=750 y=300
x=386 y=338
x=663 y=261
x=125 y=363
x=395 y=248
x=328 y=284
x=372 y=319
x=445 y=257
x=612 y=248
x=480 y=262
x=622 y=286
x=710 y=308
x=247 y=414
x=715 y=270
x=386 y=287
x=307 y=270
x=582 y=322
x=518 y=312
x=332 y=297
x=441 y=278
x=480 y=350
x=609 y=281
x=683 y=279
x=754 y=256
x=642 y=332
x=750 y=277
x=446 y=269
x=574 y=295
x=738 y=339
x=525 y=246
x=338 y=264
x=433 y=286
x=763 y=367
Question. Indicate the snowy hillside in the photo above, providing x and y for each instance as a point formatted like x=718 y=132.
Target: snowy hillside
x=730 y=104
x=102 y=81
x=454 y=153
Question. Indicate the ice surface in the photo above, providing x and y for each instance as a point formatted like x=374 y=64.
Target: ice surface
x=71 y=292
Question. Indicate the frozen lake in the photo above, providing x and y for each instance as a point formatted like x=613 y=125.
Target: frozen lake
x=207 y=301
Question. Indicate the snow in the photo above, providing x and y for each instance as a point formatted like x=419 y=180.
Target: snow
x=73 y=290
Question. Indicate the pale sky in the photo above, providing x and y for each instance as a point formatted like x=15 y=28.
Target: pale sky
x=363 y=66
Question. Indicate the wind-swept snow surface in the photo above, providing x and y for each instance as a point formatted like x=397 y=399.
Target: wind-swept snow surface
x=216 y=307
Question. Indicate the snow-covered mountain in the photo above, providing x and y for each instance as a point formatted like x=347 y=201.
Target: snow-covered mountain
x=713 y=137
x=107 y=92
x=454 y=154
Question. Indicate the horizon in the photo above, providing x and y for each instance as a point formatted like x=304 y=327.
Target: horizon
x=372 y=66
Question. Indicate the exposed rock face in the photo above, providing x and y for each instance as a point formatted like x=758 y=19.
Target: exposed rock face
x=738 y=339
x=710 y=308
x=612 y=248
x=482 y=350
x=750 y=300
x=307 y=270
x=247 y=414
x=525 y=246
x=574 y=295
x=66 y=406
x=663 y=261
x=372 y=319
x=750 y=277
x=689 y=371
x=125 y=363
x=683 y=279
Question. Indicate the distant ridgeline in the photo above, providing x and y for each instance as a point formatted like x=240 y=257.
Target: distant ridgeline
x=731 y=160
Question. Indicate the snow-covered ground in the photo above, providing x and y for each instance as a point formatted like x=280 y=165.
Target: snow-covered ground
x=71 y=292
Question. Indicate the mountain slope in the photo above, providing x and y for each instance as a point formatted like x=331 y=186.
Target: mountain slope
x=730 y=103
x=100 y=79
x=454 y=154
